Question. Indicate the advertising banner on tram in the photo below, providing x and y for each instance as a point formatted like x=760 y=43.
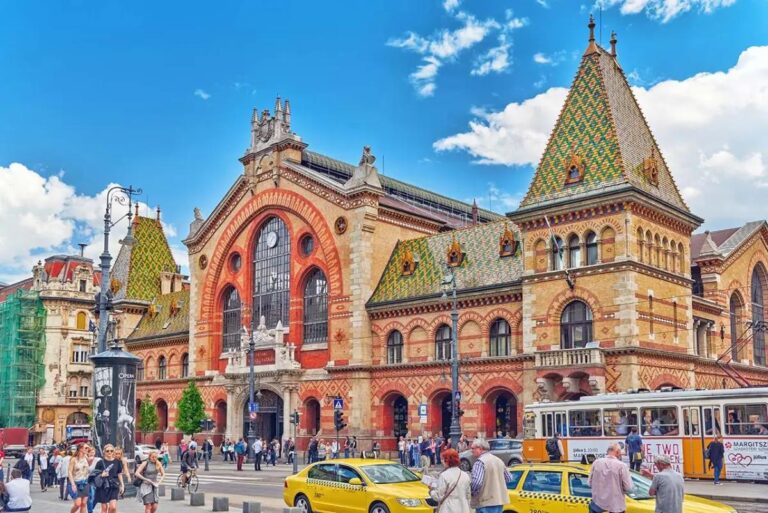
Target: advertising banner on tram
x=746 y=458
x=670 y=447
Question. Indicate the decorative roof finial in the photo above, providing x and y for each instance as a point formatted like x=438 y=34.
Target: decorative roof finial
x=278 y=107
x=613 y=44
x=475 y=212
x=592 y=47
x=136 y=216
x=158 y=212
x=287 y=113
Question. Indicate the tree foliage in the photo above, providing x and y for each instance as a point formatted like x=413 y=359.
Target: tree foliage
x=148 y=421
x=191 y=410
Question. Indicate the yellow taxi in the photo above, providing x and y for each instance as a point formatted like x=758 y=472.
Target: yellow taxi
x=564 y=488
x=357 y=486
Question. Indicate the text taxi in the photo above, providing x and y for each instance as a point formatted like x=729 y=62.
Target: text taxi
x=357 y=486
x=564 y=487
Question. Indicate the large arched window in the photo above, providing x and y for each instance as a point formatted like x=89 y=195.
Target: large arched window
x=501 y=336
x=591 y=248
x=758 y=316
x=161 y=368
x=736 y=309
x=184 y=365
x=575 y=325
x=395 y=347
x=272 y=274
x=231 y=318
x=574 y=252
x=557 y=253
x=316 y=308
x=443 y=343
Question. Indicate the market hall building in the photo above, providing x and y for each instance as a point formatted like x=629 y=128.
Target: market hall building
x=595 y=284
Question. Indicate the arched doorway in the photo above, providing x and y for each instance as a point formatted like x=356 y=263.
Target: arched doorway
x=312 y=416
x=220 y=417
x=268 y=423
x=400 y=417
x=162 y=415
x=77 y=417
x=501 y=414
x=445 y=413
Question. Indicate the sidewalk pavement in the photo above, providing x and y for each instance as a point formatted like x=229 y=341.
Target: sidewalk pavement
x=729 y=491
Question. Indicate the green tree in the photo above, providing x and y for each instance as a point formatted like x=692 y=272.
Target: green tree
x=191 y=410
x=148 y=421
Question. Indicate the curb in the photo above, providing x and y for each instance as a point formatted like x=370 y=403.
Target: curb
x=728 y=498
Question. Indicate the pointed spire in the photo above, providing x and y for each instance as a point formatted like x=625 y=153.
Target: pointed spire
x=255 y=115
x=158 y=212
x=592 y=47
x=613 y=44
x=287 y=113
x=475 y=212
x=278 y=107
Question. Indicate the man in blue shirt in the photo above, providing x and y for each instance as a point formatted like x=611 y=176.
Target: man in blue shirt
x=635 y=449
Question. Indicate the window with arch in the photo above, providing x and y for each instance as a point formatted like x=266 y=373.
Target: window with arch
x=591 y=241
x=574 y=251
x=575 y=325
x=443 y=343
x=185 y=365
x=162 y=368
x=758 y=316
x=231 y=320
x=272 y=274
x=82 y=320
x=736 y=310
x=557 y=253
x=140 y=372
x=395 y=347
x=316 y=308
x=501 y=338
x=640 y=244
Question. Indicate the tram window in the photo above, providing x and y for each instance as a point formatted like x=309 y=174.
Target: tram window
x=746 y=419
x=553 y=421
x=585 y=423
x=712 y=421
x=660 y=421
x=619 y=422
x=691 y=421
x=529 y=425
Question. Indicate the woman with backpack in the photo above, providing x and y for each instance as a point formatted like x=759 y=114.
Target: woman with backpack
x=715 y=453
x=554 y=448
x=109 y=480
x=151 y=474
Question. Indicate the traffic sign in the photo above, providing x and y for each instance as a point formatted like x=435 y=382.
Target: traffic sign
x=338 y=403
x=251 y=407
x=422 y=410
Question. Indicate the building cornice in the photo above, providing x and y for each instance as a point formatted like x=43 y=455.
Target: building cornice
x=474 y=362
x=467 y=299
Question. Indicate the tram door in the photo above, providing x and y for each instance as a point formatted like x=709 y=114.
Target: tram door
x=693 y=464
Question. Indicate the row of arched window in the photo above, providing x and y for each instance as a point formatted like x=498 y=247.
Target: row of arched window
x=271 y=290
x=739 y=330
x=574 y=251
x=659 y=251
x=162 y=367
x=499 y=343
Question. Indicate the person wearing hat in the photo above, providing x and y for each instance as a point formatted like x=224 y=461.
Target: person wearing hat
x=667 y=486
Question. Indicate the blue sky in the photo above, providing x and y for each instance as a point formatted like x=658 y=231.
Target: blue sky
x=159 y=94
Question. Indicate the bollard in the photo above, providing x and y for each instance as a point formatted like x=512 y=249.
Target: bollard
x=251 y=507
x=221 y=504
x=161 y=490
x=205 y=456
x=197 y=499
x=177 y=494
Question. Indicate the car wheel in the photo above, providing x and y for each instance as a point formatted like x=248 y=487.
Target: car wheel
x=514 y=461
x=379 y=507
x=302 y=503
x=465 y=466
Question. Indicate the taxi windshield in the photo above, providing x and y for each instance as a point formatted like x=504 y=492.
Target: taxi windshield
x=389 y=473
x=641 y=486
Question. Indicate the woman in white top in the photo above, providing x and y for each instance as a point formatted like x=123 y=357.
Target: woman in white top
x=78 y=473
x=452 y=491
x=62 y=473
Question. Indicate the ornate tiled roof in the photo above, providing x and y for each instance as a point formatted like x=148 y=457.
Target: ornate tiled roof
x=722 y=243
x=138 y=266
x=481 y=267
x=601 y=125
x=167 y=315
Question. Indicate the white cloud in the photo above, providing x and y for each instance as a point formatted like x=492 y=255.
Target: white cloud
x=450 y=5
x=201 y=94
x=665 y=10
x=502 y=201
x=540 y=58
x=552 y=60
x=543 y=3
x=710 y=128
x=495 y=60
x=42 y=216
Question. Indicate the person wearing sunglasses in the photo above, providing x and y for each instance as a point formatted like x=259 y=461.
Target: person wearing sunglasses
x=109 y=480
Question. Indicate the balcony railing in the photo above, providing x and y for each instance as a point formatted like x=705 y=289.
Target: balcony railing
x=78 y=400
x=569 y=358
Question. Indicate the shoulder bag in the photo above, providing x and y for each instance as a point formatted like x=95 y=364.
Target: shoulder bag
x=448 y=494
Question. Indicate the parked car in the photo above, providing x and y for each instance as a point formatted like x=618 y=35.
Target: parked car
x=142 y=451
x=508 y=450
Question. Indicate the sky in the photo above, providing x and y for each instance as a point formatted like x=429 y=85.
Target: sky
x=456 y=96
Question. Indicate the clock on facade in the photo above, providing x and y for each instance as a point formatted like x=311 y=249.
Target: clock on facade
x=271 y=239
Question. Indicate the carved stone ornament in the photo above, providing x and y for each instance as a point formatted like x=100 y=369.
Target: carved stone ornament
x=455 y=254
x=115 y=285
x=340 y=225
x=152 y=310
x=48 y=415
x=407 y=263
x=507 y=243
x=203 y=261
x=575 y=168
x=651 y=168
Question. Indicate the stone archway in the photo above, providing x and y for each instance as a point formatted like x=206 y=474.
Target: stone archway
x=220 y=416
x=500 y=413
x=268 y=419
x=162 y=415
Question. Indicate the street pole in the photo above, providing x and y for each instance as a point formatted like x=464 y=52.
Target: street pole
x=295 y=458
x=455 y=429
x=251 y=427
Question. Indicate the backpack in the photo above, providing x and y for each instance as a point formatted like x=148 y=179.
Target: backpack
x=552 y=447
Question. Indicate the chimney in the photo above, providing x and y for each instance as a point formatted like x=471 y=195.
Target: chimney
x=82 y=249
x=613 y=44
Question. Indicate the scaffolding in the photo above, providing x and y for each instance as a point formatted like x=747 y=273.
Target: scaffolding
x=22 y=349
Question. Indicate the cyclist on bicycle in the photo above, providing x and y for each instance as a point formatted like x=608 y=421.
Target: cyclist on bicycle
x=188 y=463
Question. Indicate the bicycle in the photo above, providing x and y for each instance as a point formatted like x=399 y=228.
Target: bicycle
x=190 y=483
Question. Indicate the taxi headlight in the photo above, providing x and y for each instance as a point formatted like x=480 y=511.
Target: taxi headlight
x=411 y=503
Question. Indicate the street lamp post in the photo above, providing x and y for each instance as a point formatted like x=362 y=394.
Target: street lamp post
x=449 y=283
x=251 y=404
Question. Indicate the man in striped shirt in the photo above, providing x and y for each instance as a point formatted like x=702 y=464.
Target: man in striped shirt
x=489 y=480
